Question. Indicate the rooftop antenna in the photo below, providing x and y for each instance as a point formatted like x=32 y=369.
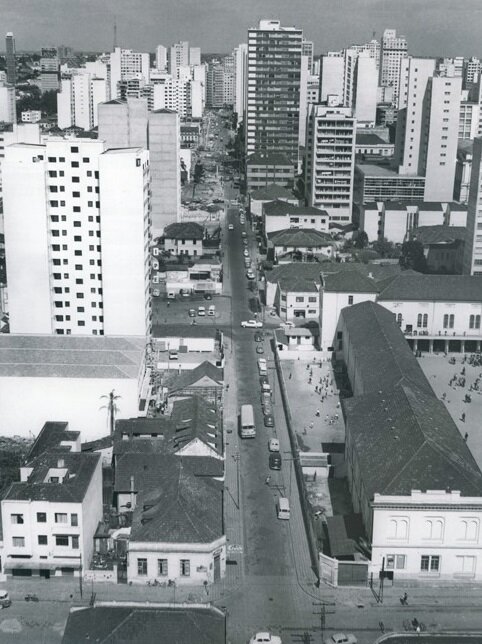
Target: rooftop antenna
x=115 y=33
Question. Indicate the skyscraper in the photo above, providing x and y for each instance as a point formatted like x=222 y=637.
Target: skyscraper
x=126 y=64
x=394 y=49
x=10 y=58
x=273 y=99
x=240 y=60
x=76 y=241
x=473 y=239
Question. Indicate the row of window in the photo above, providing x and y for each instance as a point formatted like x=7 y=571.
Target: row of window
x=433 y=528
x=163 y=568
x=42 y=540
x=60 y=517
x=448 y=321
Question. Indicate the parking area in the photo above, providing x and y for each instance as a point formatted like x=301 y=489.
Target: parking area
x=176 y=311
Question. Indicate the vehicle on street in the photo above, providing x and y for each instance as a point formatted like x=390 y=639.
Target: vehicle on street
x=341 y=638
x=273 y=313
x=262 y=367
x=212 y=310
x=250 y=275
x=208 y=296
x=230 y=227
x=263 y=380
x=274 y=460
x=259 y=349
x=251 y=324
x=243 y=234
x=192 y=313
x=288 y=324
x=242 y=220
x=5 y=601
x=245 y=242
x=156 y=292
x=201 y=311
x=273 y=445
x=267 y=408
x=171 y=295
x=247 y=427
x=269 y=421
x=258 y=337
x=185 y=293
x=265 y=638
x=173 y=355
x=246 y=252
x=283 y=508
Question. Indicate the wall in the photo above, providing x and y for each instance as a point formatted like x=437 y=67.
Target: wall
x=272 y=223
x=331 y=306
x=369 y=222
x=92 y=513
x=288 y=307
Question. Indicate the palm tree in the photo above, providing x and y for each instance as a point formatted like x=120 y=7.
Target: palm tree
x=112 y=409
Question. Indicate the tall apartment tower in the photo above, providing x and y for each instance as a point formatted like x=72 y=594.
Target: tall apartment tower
x=427 y=128
x=10 y=58
x=126 y=64
x=273 y=100
x=330 y=160
x=307 y=49
x=78 y=100
x=240 y=72
x=177 y=56
x=393 y=50
x=49 y=70
x=161 y=58
x=76 y=241
x=123 y=124
x=194 y=56
x=473 y=238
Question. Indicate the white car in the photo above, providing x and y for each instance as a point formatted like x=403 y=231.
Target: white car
x=341 y=638
x=288 y=324
x=230 y=227
x=251 y=324
x=246 y=252
x=265 y=638
x=273 y=445
x=250 y=275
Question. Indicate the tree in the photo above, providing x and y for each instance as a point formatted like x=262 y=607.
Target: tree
x=413 y=256
x=112 y=409
x=198 y=175
x=361 y=240
x=385 y=248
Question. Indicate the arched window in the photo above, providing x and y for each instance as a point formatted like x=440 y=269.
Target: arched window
x=425 y=320
x=399 y=319
x=419 y=321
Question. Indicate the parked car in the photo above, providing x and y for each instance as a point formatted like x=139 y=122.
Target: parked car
x=265 y=638
x=208 y=296
x=250 y=274
x=267 y=408
x=246 y=252
x=273 y=444
x=201 y=311
x=258 y=337
x=230 y=227
x=245 y=242
x=259 y=349
x=243 y=234
x=341 y=638
x=274 y=461
x=173 y=355
x=192 y=313
x=185 y=293
x=269 y=422
x=5 y=601
x=156 y=292
x=251 y=324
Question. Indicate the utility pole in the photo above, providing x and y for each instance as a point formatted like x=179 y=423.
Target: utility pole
x=322 y=614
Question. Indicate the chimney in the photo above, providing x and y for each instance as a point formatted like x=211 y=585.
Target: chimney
x=132 y=493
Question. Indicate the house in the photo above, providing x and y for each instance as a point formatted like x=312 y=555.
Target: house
x=410 y=472
x=50 y=516
x=205 y=381
x=280 y=215
x=201 y=274
x=258 y=198
x=369 y=144
x=267 y=168
x=190 y=135
x=66 y=377
x=293 y=289
x=297 y=338
x=199 y=338
x=142 y=624
x=443 y=247
x=306 y=244
x=184 y=238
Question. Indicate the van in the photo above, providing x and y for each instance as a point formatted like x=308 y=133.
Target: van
x=283 y=508
x=173 y=355
x=5 y=600
x=212 y=310
x=265 y=388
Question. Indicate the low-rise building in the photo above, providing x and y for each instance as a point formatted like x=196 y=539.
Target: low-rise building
x=190 y=133
x=205 y=381
x=443 y=247
x=411 y=475
x=280 y=215
x=31 y=116
x=50 y=516
x=305 y=244
x=293 y=289
x=369 y=144
x=463 y=170
x=258 y=198
x=184 y=238
x=379 y=183
x=264 y=169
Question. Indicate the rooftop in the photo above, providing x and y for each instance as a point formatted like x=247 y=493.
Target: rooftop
x=55 y=356
x=161 y=331
x=271 y=192
x=206 y=374
x=363 y=138
x=349 y=282
x=300 y=237
x=268 y=158
x=298 y=276
x=434 y=288
x=280 y=208
x=184 y=230
x=51 y=437
x=439 y=234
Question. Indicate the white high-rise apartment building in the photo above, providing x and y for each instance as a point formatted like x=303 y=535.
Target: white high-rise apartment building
x=307 y=49
x=194 y=56
x=473 y=238
x=126 y=64
x=427 y=128
x=78 y=100
x=177 y=56
x=332 y=75
x=161 y=58
x=8 y=109
x=373 y=49
x=393 y=50
x=240 y=63
x=365 y=88
x=76 y=240
x=472 y=69
x=330 y=160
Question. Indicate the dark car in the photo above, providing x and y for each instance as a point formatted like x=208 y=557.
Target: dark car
x=263 y=380
x=275 y=461
x=269 y=420
x=208 y=296
x=258 y=337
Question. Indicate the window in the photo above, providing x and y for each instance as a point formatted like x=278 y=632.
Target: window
x=465 y=565
x=398 y=528
x=162 y=567
x=395 y=562
x=449 y=321
x=350 y=299
x=60 y=517
x=185 y=568
x=419 y=321
x=469 y=530
x=430 y=563
x=74 y=149
x=312 y=299
x=399 y=319
x=75 y=542
x=17 y=518
x=474 y=322
x=425 y=320
x=74 y=519
x=85 y=160
x=422 y=320
x=434 y=529
x=142 y=567
x=74 y=164
x=300 y=299
x=41 y=517
x=76 y=193
x=18 y=542
x=61 y=540
x=42 y=539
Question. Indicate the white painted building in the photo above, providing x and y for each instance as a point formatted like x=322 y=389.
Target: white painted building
x=161 y=58
x=365 y=88
x=280 y=215
x=8 y=112
x=78 y=100
x=273 y=192
x=240 y=91
x=394 y=50
x=125 y=64
x=86 y=211
x=473 y=241
x=31 y=116
x=17 y=133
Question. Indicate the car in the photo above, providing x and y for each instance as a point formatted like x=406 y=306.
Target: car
x=208 y=296
x=265 y=638
x=267 y=408
x=246 y=252
x=173 y=355
x=242 y=220
x=288 y=324
x=341 y=638
x=269 y=422
x=156 y=292
x=243 y=234
x=273 y=445
x=192 y=313
x=185 y=293
x=258 y=337
x=245 y=242
x=274 y=461
x=5 y=601
x=259 y=349
x=264 y=380
x=251 y=324
x=273 y=313
x=230 y=227
x=250 y=275
x=201 y=311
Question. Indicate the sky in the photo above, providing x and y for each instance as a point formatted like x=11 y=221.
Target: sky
x=432 y=27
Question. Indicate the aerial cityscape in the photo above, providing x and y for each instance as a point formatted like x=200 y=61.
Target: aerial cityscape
x=240 y=327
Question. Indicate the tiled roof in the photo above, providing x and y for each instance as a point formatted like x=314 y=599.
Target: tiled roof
x=269 y=158
x=145 y=625
x=184 y=230
x=434 y=288
x=179 y=507
x=369 y=139
x=189 y=377
x=382 y=354
x=300 y=237
x=50 y=437
x=57 y=356
x=271 y=192
x=348 y=282
x=406 y=440
x=298 y=276
x=439 y=234
x=280 y=208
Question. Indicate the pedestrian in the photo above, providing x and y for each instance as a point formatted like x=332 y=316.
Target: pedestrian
x=466 y=435
x=462 y=418
x=405 y=599
x=268 y=479
x=317 y=412
x=291 y=375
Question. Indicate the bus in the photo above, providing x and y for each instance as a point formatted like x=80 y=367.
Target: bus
x=247 y=427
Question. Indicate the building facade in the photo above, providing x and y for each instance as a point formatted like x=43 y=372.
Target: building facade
x=473 y=240
x=10 y=59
